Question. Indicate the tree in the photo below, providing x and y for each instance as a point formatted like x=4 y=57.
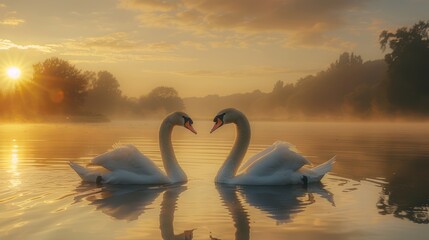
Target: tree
x=346 y=60
x=164 y=99
x=324 y=94
x=59 y=86
x=280 y=94
x=104 y=94
x=407 y=84
x=359 y=101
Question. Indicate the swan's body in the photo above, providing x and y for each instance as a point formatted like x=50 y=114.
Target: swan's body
x=127 y=165
x=278 y=164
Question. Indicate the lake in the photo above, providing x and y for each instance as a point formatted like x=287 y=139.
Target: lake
x=378 y=189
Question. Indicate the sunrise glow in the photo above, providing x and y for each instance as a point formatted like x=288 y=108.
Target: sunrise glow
x=13 y=72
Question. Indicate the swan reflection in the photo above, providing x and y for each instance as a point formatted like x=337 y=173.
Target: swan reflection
x=281 y=202
x=128 y=202
x=166 y=216
x=229 y=196
x=277 y=202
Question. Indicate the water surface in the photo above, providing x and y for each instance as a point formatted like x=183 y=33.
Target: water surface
x=378 y=188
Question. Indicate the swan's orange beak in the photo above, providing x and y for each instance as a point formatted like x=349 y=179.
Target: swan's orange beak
x=217 y=125
x=189 y=126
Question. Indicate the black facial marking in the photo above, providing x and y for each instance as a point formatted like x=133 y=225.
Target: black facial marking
x=220 y=116
x=187 y=119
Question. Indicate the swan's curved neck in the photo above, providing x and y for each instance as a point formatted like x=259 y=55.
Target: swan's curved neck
x=235 y=157
x=172 y=167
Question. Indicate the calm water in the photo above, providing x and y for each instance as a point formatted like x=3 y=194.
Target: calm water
x=378 y=189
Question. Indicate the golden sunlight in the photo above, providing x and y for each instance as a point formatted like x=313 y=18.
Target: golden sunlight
x=13 y=72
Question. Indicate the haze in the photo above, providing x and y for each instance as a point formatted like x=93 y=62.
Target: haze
x=199 y=47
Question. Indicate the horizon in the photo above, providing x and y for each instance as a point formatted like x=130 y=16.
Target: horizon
x=198 y=47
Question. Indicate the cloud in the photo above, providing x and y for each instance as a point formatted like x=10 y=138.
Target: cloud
x=298 y=19
x=311 y=38
x=8 y=17
x=119 y=46
x=118 y=41
x=12 y=21
x=152 y=5
x=113 y=47
x=194 y=45
x=6 y=44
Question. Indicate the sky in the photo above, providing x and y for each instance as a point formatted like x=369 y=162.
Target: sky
x=199 y=47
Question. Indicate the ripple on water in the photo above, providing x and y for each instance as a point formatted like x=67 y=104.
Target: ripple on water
x=371 y=192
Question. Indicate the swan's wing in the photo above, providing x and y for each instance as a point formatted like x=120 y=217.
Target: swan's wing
x=87 y=174
x=255 y=157
x=276 y=146
x=279 y=156
x=126 y=157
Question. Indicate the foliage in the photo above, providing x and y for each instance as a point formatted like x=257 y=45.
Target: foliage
x=161 y=99
x=104 y=94
x=330 y=92
x=60 y=91
x=346 y=60
x=407 y=86
x=349 y=87
x=59 y=86
x=359 y=101
x=345 y=89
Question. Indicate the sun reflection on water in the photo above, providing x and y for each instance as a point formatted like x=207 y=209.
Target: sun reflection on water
x=15 y=178
x=376 y=189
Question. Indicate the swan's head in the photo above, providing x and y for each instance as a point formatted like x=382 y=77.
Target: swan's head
x=228 y=115
x=181 y=119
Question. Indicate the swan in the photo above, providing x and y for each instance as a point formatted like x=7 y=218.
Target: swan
x=127 y=165
x=278 y=164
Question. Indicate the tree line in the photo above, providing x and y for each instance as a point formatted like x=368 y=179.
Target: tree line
x=397 y=86
x=59 y=90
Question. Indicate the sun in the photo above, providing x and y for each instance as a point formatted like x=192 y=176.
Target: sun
x=13 y=72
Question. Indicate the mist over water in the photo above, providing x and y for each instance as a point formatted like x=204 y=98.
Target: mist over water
x=377 y=188
x=102 y=75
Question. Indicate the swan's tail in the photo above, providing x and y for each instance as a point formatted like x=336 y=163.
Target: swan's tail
x=320 y=170
x=86 y=174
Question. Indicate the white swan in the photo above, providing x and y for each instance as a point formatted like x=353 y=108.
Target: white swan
x=276 y=165
x=127 y=165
